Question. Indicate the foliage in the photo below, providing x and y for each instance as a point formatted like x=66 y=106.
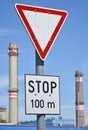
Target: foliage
x=2 y=121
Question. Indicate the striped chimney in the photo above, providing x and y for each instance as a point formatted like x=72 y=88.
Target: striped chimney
x=79 y=99
x=13 y=85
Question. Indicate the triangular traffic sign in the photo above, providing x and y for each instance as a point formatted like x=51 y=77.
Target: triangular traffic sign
x=42 y=25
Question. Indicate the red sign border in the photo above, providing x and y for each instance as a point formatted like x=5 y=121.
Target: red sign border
x=20 y=7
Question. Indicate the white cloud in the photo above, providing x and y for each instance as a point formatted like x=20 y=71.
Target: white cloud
x=67 y=107
x=23 y=117
x=4 y=86
x=68 y=111
x=20 y=78
x=6 y=32
x=4 y=81
x=4 y=100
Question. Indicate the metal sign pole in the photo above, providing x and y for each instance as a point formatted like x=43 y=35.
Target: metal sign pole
x=40 y=71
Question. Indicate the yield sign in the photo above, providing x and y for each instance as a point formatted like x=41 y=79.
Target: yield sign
x=42 y=25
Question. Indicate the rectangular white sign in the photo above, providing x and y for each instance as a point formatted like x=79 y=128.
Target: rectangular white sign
x=42 y=94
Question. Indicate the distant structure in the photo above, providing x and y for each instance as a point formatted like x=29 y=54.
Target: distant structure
x=13 y=85
x=79 y=99
x=3 y=114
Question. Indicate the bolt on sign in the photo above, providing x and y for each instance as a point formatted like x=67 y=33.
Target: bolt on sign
x=42 y=25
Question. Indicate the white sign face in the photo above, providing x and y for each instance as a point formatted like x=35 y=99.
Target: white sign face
x=42 y=25
x=42 y=94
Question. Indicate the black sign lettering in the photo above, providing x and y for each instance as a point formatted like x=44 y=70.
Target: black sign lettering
x=53 y=86
x=38 y=85
x=45 y=87
x=30 y=83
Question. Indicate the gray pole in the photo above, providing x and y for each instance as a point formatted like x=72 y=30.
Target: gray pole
x=40 y=71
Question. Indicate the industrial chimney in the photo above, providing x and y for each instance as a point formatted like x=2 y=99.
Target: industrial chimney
x=13 y=85
x=79 y=99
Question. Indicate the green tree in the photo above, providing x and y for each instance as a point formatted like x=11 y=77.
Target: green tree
x=2 y=121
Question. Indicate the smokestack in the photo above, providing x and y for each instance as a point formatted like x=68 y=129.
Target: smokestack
x=13 y=85
x=79 y=99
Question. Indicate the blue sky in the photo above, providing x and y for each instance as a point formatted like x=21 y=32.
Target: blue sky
x=69 y=52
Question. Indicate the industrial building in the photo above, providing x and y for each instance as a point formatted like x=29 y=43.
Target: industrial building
x=3 y=114
x=12 y=117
